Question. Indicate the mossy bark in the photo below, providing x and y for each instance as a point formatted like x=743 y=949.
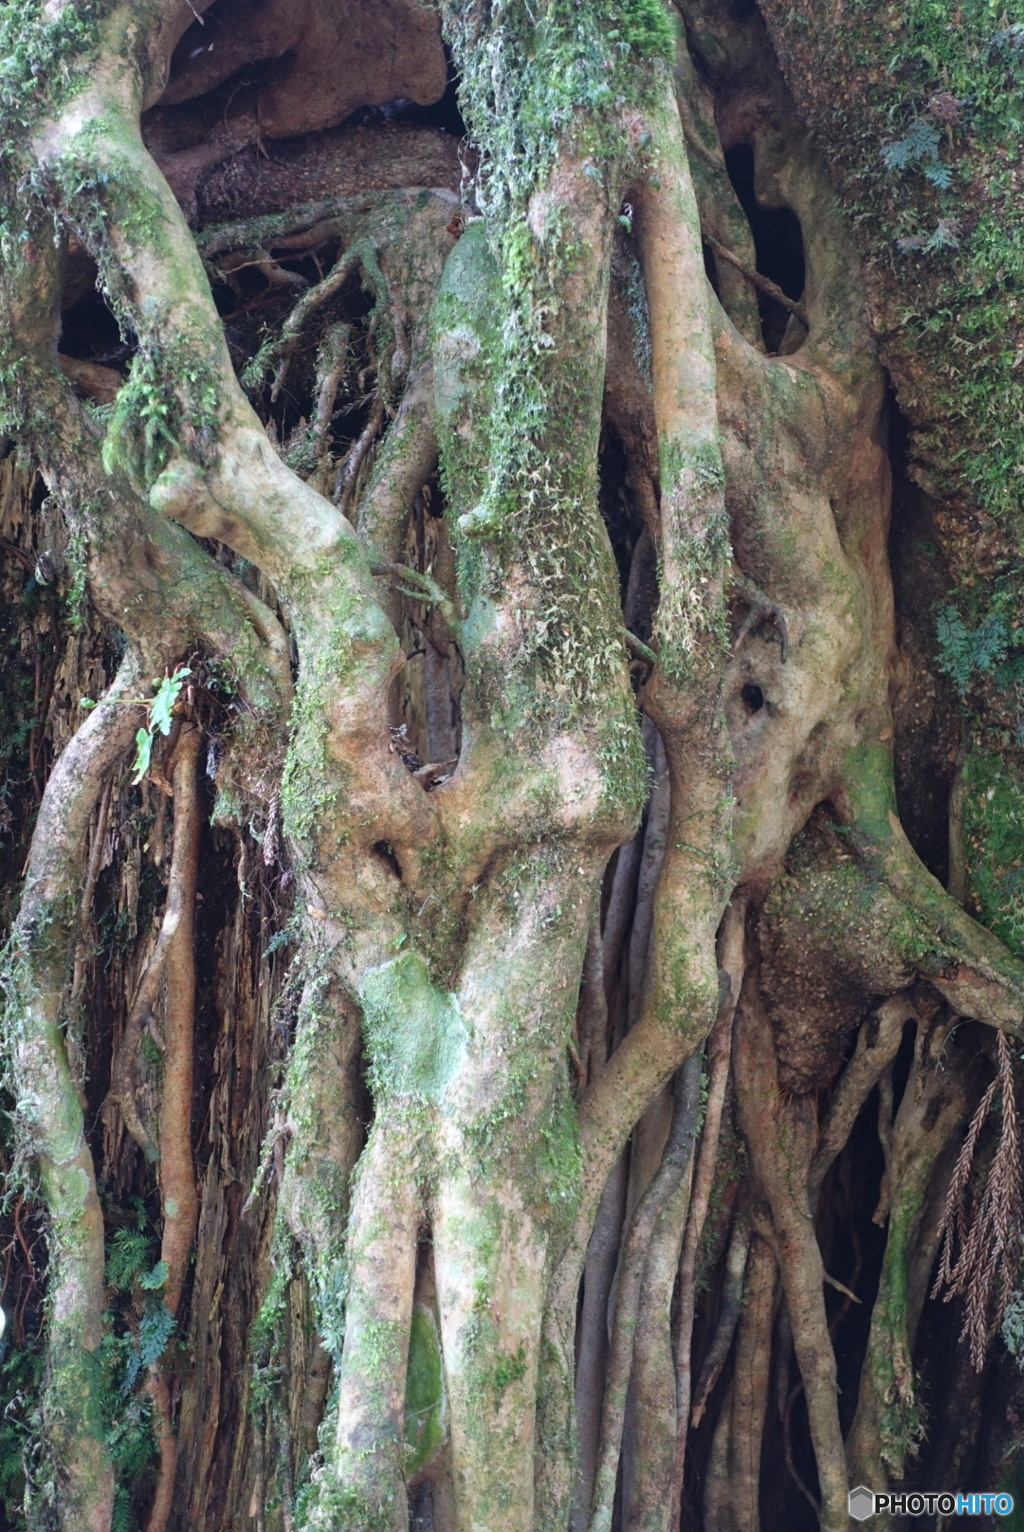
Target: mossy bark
x=549 y=440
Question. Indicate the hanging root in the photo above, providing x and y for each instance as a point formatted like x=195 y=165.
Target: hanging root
x=889 y=1421
x=180 y=894
x=366 y=1482
x=729 y=1313
x=749 y=1398
x=49 y=1110
x=719 y=1055
x=648 y=1505
x=179 y=1199
x=632 y=1266
x=781 y=1133
x=307 y=306
x=985 y=1270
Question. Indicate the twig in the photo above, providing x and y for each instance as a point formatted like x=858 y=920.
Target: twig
x=419 y=587
x=638 y=649
x=763 y=284
x=841 y=1287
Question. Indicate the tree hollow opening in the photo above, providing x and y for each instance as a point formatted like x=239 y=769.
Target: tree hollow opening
x=778 y=245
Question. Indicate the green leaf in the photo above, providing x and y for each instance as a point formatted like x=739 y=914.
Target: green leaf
x=143 y=754
x=162 y=706
x=155 y=1330
x=151 y=1280
x=127 y=1255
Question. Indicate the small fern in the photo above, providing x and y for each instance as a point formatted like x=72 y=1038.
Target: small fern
x=918 y=149
x=992 y=646
x=127 y=1255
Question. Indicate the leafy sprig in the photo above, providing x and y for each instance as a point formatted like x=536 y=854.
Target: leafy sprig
x=161 y=715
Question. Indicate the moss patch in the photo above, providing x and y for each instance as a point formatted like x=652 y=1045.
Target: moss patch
x=424 y=1392
x=993 y=831
x=414 y=1032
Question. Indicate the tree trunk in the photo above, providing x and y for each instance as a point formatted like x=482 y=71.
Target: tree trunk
x=511 y=833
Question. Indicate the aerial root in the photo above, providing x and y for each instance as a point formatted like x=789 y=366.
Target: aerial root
x=180 y=899
x=781 y=1133
x=731 y=959
x=729 y=1313
x=763 y=284
x=178 y=1195
x=675 y=1166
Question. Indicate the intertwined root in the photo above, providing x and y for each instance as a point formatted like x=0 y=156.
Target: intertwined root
x=448 y=904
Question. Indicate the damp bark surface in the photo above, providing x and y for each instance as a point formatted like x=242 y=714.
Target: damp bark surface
x=514 y=974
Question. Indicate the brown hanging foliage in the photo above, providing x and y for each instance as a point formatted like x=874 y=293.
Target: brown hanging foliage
x=990 y=1240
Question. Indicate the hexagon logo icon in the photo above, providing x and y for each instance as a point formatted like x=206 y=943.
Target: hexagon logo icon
x=861 y=1503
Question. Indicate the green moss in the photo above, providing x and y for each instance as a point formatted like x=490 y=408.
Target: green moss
x=424 y=1392
x=871 y=790
x=42 y=57
x=510 y=1368
x=167 y=386
x=414 y=1032
x=950 y=315
x=625 y=768
x=993 y=842
x=520 y=402
x=336 y=1507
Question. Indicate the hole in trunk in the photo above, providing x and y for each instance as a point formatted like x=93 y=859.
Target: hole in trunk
x=752 y=697
x=778 y=245
x=385 y=852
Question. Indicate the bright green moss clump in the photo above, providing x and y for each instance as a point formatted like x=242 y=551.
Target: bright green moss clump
x=424 y=1392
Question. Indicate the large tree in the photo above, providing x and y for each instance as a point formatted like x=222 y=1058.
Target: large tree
x=512 y=830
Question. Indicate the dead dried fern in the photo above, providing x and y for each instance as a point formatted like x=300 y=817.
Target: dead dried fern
x=989 y=1241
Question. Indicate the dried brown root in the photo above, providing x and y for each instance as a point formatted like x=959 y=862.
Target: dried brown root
x=178 y=1195
x=781 y=1132
x=96 y=852
x=719 y=1054
x=637 y=1246
x=985 y=1270
x=177 y=910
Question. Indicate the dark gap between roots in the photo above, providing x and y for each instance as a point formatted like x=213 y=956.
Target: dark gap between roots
x=926 y=707
x=443 y=114
x=620 y=515
x=778 y=244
